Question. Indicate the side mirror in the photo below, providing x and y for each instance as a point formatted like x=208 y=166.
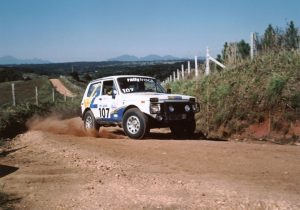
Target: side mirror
x=114 y=93
x=169 y=90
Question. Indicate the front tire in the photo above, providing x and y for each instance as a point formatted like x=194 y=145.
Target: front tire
x=135 y=123
x=90 y=122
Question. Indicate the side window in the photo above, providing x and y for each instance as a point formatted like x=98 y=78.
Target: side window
x=94 y=89
x=108 y=87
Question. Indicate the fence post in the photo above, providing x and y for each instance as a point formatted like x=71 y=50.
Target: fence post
x=182 y=71
x=13 y=94
x=207 y=69
x=189 y=67
x=196 y=67
x=36 y=96
x=178 y=74
x=174 y=76
x=53 y=98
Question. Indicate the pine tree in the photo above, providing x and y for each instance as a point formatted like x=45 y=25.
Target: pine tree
x=269 y=40
x=244 y=49
x=291 y=37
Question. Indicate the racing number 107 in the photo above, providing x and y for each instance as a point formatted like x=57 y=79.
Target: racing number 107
x=104 y=112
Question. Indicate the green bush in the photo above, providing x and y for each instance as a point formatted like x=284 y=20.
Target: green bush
x=13 y=120
x=274 y=89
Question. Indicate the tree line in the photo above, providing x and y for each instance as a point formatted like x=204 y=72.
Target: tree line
x=274 y=39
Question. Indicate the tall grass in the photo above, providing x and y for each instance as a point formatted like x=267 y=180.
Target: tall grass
x=246 y=93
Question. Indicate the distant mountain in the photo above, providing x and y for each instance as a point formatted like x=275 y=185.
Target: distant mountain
x=125 y=58
x=5 y=60
x=145 y=58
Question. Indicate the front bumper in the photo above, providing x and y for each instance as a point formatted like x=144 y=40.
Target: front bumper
x=175 y=111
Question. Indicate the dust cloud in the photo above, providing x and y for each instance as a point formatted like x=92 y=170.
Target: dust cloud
x=73 y=126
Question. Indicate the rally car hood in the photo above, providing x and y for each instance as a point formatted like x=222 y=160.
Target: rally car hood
x=161 y=96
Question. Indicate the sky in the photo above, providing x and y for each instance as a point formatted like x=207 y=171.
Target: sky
x=96 y=30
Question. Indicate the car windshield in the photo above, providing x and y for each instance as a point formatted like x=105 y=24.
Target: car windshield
x=139 y=84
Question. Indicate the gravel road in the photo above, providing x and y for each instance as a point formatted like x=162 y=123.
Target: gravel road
x=58 y=169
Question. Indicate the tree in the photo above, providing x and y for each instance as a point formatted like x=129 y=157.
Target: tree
x=244 y=49
x=87 y=77
x=75 y=75
x=224 y=52
x=291 y=37
x=269 y=39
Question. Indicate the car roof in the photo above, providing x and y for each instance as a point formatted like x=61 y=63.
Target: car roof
x=120 y=76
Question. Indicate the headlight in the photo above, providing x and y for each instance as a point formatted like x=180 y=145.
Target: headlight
x=196 y=107
x=187 y=108
x=171 y=108
x=154 y=108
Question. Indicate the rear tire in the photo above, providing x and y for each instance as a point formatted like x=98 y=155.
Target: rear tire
x=183 y=129
x=135 y=123
x=90 y=122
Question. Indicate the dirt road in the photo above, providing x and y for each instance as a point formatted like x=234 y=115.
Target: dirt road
x=61 y=88
x=58 y=169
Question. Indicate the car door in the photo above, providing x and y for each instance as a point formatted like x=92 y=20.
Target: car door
x=107 y=100
x=92 y=98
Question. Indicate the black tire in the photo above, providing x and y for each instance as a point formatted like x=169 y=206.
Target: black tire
x=135 y=123
x=183 y=129
x=90 y=122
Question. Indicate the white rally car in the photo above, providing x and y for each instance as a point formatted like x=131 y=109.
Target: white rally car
x=137 y=103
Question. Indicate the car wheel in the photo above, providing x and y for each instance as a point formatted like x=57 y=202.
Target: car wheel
x=135 y=123
x=90 y=122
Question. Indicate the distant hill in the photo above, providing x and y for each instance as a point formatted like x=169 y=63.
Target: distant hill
x=145 y=58
x=125 y=58
x=5 y=60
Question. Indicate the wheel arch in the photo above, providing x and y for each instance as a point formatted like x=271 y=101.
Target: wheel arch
x=130 y=107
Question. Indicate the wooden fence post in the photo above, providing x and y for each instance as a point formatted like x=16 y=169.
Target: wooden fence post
x=13 y=94
x=36 y=96
x=53 y=96
x=196 y=67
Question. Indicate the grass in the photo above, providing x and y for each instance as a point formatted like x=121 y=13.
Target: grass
x=13 y=118
x=246 y=93
x=25 y=91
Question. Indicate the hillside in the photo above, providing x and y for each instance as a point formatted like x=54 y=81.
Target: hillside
x=4 y=60
x=254 y=95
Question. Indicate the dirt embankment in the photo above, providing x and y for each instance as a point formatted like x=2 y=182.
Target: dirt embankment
x=60 y=169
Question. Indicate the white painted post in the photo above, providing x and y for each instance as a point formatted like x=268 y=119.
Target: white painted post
x=207 y=69
x=174 y=76
x=13 y=94
x=178 y=74
x=171 y=77
x=189 y=67
x=196 y=67
x=182 y=71
x=252 y=47
x=53 y=96
x=36 y=96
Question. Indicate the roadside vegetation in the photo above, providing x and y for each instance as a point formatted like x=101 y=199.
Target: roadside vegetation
x=13 y=118
x=264 y=90
x=248 y=93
